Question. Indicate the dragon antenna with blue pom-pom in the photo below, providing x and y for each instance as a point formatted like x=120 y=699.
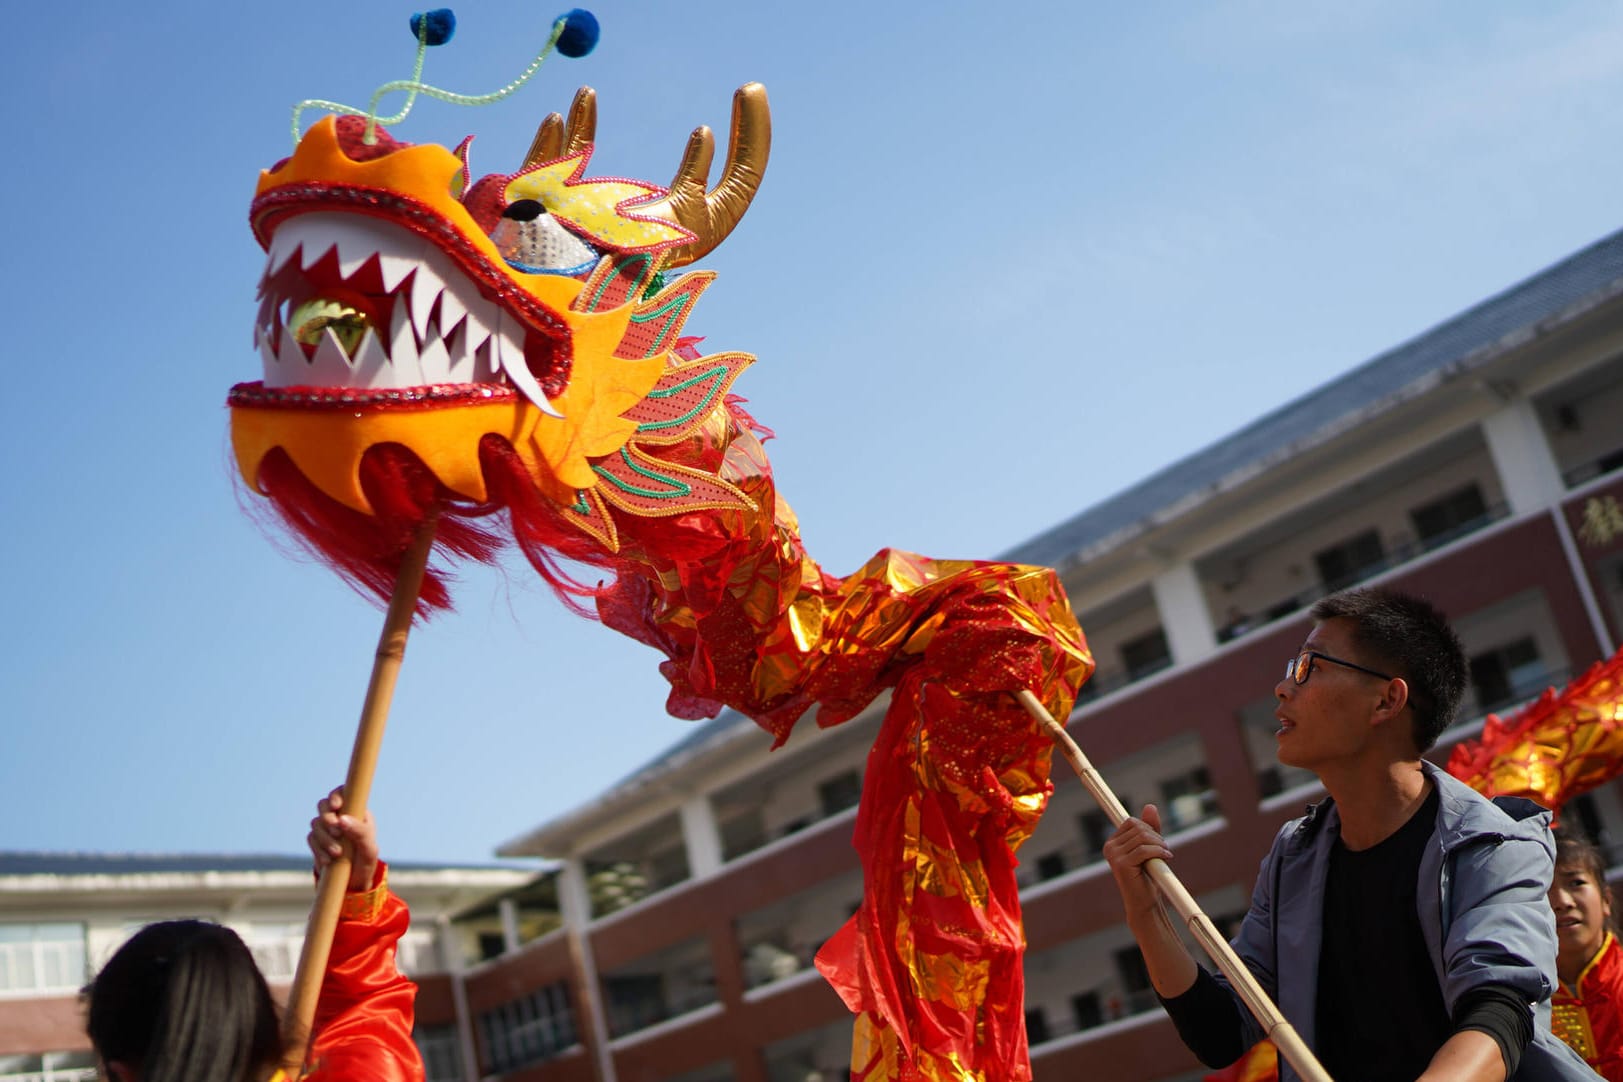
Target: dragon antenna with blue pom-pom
x=574 y=34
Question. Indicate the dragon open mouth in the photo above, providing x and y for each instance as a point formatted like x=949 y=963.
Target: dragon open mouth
x=362 y=305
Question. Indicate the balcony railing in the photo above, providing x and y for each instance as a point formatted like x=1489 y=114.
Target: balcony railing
x=1524 y=691
x=636 y=1005
x=1588 y=471
x=1090 y=1010
x=1240 y=623
x=1101 y=684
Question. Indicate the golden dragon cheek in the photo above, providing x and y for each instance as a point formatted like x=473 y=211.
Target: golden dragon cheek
x=601 y=388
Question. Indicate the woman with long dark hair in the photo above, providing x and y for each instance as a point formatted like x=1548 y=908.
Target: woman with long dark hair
x=183 y=1001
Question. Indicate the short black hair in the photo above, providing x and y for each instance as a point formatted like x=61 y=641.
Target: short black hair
x=182 y=1001
x=1410 y=638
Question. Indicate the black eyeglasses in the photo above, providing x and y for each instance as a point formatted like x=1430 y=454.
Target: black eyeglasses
x=1300 y=667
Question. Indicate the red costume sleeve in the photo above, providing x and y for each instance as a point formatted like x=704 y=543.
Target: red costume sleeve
x=364 y=1015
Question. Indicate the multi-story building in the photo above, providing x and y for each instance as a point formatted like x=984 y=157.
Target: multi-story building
x=63 y=914
x=1480 y=464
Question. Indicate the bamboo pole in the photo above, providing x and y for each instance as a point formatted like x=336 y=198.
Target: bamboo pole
x=1274 y=1024
x=363 y=761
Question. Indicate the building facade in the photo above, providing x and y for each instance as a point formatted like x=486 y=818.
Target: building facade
x=1480 y=464
x=62 y=915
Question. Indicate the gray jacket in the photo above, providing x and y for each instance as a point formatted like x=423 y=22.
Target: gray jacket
x=1483 y=911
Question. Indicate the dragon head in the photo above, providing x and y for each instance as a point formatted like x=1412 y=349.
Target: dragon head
x=404 y=307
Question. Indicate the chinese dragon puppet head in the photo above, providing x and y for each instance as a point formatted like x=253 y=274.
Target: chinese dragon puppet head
x=507 y=356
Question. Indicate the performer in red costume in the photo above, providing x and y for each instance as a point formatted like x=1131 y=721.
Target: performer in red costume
x=1587 y=1009
x=182 y=1001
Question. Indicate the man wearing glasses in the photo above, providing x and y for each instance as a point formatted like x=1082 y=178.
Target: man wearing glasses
x=1401 y=924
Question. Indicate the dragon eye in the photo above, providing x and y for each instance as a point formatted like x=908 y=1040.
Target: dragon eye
x=532 y=241
x=524 y=210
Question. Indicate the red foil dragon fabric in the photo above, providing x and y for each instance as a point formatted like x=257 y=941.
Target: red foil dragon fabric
x=506 y=357
x=1554 y=748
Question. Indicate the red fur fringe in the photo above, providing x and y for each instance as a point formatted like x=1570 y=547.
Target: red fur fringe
x=365 y=550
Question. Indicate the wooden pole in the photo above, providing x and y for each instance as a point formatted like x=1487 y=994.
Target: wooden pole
x=1274 y=1023
x=363 y=761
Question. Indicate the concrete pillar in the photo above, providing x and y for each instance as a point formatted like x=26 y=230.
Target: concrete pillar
x=576 y=905
x=508 y=910
x=1521 y=456
x=701 y=836
x=451 y=957
x=1185 y=619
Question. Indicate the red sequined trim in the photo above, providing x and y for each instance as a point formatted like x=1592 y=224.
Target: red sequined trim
x=429 y=396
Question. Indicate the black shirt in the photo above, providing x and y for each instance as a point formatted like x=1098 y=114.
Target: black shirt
x=1380 y=1013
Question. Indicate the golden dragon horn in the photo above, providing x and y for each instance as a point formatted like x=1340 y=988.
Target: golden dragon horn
x=555 y=139
x=711 y=215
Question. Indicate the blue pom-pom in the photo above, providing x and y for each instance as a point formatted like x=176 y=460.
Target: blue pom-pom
x=579 y=35
x=441 y=24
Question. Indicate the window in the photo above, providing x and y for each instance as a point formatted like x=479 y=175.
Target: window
x=635 y=1001
x=741 y=833
x=491 y=945
x=442 y=1058
x=42 y=957
x=1444 y=519
x=1135 y=980
x=50 y=1067
x=1188 y=798
x=1050 y=866
x=840 y=792
x=613 y=886
x=1344 y=564
x=1096 y=828
x=1507 y=674
x=1087 y=1010
x=1145 y=654
x=529 y=1029
x=1036 y=1026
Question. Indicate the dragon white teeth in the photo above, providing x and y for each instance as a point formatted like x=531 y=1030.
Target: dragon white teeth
x=476 y=325
x=283 y=248
x=485 y=367
x=440 y=329
x=330 y=366
x=509 y=347
x=359 y=239
x=353 y=252
x=267 y=352
x=434 y=361
x=401 y=341
x=372 y=367
x=312 y=253
x=451 y=311
x=456 y=357
x=395 y=268
x=291 y=368
x=425 y=289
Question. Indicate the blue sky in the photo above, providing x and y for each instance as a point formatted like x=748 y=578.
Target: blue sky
x=1002 y=266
